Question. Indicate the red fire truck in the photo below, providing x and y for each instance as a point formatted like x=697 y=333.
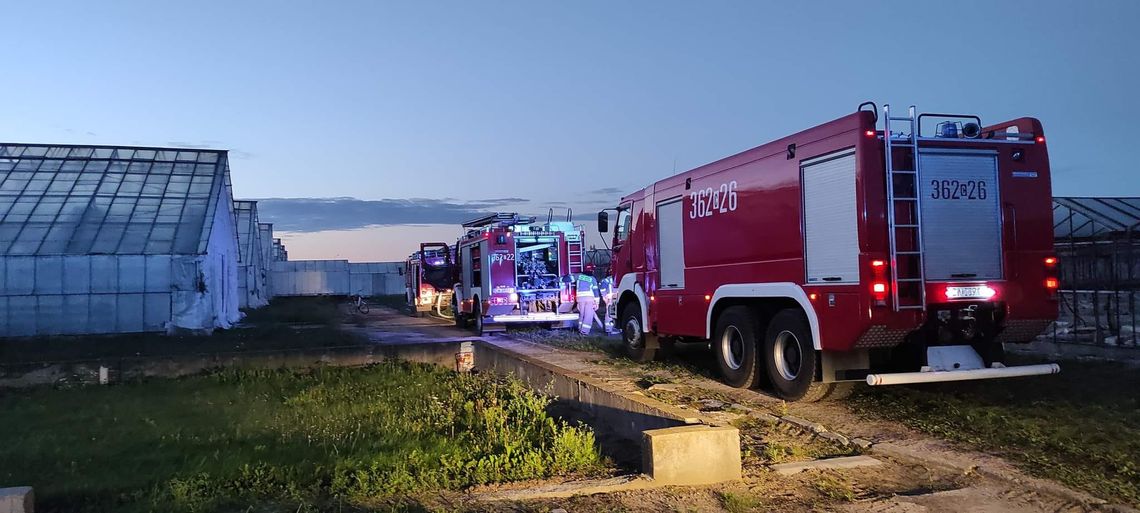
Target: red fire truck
x=847 y=252
x=428 y=276
x=515 y=271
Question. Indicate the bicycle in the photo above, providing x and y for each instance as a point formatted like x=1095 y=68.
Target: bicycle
x=359 y=304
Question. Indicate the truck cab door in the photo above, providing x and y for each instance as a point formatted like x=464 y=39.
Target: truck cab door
x=622 y=260
x=435 y=259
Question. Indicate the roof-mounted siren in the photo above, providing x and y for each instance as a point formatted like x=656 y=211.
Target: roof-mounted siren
x=954 y=126
x=958 y=129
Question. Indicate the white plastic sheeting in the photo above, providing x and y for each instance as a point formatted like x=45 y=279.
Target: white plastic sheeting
x=311 y=278
x=337 y=277
x=206 y=290
x=376 y=278
x=81 y=294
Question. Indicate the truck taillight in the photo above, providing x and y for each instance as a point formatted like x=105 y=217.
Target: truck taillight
x=879 y=282
x=1052 y=283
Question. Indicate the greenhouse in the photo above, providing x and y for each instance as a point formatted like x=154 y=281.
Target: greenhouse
x=252 y=274
x=101 y=239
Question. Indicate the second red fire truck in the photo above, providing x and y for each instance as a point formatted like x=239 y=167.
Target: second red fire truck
x=512 y=270
x=428 y=277
x=901 y=253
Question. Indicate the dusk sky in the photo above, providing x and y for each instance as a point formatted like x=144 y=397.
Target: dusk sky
x=380 y=124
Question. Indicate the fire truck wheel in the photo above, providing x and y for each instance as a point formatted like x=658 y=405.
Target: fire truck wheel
x=477 y=314
x=735 y=344
x=460 y=319
x=789 y=354
x=633 y=336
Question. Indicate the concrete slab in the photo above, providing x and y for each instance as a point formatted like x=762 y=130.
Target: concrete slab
x=17 y=500
x=787 y=469
x=691 y=455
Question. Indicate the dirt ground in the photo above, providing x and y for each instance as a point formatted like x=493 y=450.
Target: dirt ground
x=919 y=474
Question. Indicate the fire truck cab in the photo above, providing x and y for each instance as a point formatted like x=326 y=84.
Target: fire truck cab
x=428 y=276
x=903 y=251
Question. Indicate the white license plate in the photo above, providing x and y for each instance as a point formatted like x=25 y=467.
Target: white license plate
x=964 y=292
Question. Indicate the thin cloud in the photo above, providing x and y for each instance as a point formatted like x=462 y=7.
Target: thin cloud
x=321 y=214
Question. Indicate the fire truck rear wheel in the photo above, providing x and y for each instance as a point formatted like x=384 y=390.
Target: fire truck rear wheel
x=633 y=335
x=789 y=355
x=735 y=344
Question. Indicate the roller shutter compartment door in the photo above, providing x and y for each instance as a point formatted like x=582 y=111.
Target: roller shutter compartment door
x=831 y=232
x=671 y=244
x=961 y=215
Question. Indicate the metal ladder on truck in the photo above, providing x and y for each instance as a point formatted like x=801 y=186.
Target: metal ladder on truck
x=575 y=256
x=903 y=194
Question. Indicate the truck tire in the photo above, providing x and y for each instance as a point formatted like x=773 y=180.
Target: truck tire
x=477 y=315
x=735 y=345
x=633 y=335
x=460 y=319
x=789 y=356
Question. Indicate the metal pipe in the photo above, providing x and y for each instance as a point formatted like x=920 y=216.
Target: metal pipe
x=902 y=378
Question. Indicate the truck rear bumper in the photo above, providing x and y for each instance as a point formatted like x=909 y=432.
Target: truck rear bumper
x=535 y=317
x=995 y=372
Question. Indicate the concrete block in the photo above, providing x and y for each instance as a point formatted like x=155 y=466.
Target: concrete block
x=787 y=469
x=691 y=455
x=17 y=500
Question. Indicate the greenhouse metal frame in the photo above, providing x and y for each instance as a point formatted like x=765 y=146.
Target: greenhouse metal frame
x=1096 y=242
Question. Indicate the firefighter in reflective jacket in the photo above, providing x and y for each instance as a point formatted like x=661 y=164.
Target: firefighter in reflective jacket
x=605 y=291
x=586 y=290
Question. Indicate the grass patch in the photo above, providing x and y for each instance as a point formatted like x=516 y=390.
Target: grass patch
x=648 y=380
x=571 y=339
x=834 y=488
x=1080 y=427
x=739 y=502
x=328 y=438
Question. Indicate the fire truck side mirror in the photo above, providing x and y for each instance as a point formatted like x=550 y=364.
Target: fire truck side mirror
x=603 y=222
